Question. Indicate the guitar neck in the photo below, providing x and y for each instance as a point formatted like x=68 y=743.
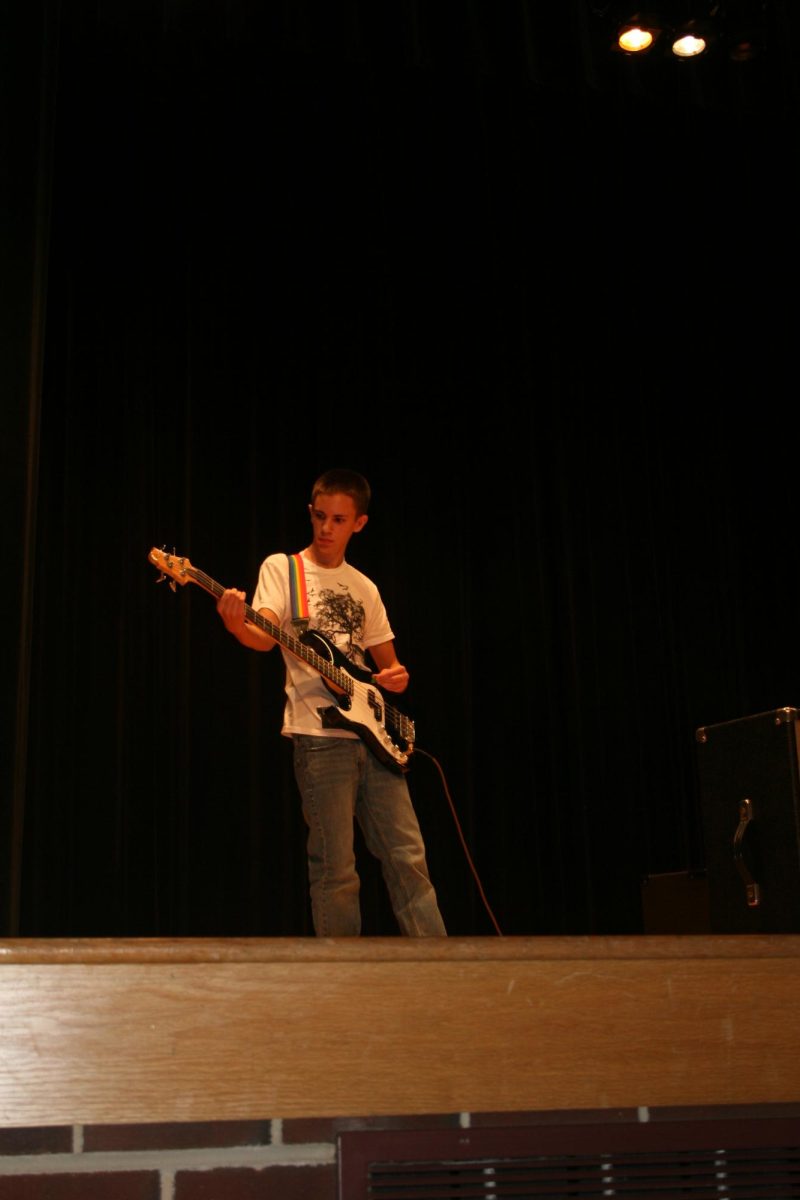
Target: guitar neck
x=322 y=665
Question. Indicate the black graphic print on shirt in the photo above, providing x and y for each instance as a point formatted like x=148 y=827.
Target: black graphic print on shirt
x=340 y=616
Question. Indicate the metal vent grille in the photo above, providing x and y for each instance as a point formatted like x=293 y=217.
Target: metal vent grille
x=726 y=1160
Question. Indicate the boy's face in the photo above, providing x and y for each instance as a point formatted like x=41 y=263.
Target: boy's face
x=334 y=521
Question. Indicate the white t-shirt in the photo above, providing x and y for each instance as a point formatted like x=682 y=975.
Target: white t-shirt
x=345 y=606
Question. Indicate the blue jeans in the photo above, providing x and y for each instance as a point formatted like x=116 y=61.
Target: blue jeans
x=340 y=781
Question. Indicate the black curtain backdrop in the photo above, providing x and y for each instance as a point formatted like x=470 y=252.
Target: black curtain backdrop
x=543 y=301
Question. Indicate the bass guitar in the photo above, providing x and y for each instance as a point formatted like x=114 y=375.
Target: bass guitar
x=360 y=705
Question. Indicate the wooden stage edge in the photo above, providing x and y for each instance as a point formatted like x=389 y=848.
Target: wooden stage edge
x=98 y=1031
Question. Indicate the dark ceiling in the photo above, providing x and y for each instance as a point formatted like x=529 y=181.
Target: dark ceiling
x=566 y=48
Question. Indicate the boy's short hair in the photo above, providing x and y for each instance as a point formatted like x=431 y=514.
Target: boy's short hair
x=348 y=483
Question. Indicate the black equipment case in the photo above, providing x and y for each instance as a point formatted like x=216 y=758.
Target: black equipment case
x=749 y=778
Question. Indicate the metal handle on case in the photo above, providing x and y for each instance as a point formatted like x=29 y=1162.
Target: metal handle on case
x=752 y=890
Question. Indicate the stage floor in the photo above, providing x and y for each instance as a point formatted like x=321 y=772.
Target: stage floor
x=138 y=1030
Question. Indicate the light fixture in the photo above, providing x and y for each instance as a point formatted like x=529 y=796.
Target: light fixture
x=634 y=39
x=688 y=28
x=691 y=39
x=638 y=34
x=687 y=45
x=745 y=41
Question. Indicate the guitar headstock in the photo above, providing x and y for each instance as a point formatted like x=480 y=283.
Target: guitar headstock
x=171 y=566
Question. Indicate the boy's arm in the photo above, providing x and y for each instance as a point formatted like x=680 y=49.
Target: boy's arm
x=230 y=607
x=391 y=675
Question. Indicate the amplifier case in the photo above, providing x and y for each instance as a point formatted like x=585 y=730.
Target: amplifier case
x=749 y=779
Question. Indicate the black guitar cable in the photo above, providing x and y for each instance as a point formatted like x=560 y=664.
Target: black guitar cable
x=461 y=838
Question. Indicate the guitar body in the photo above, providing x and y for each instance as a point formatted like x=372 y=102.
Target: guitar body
x=361 y=709
x=326 y=649
x=360 y=705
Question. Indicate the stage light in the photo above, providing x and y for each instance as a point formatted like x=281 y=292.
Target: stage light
x=689 y=29
x=743 y=50
x=635 y=39
x=745 y=42
x=638 y=34
x=692 y=38
x=687 y=45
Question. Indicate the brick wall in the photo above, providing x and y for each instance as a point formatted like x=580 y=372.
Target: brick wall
x=243 y=1160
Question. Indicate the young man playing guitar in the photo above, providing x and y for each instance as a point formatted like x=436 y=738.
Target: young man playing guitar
x=347 y=760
